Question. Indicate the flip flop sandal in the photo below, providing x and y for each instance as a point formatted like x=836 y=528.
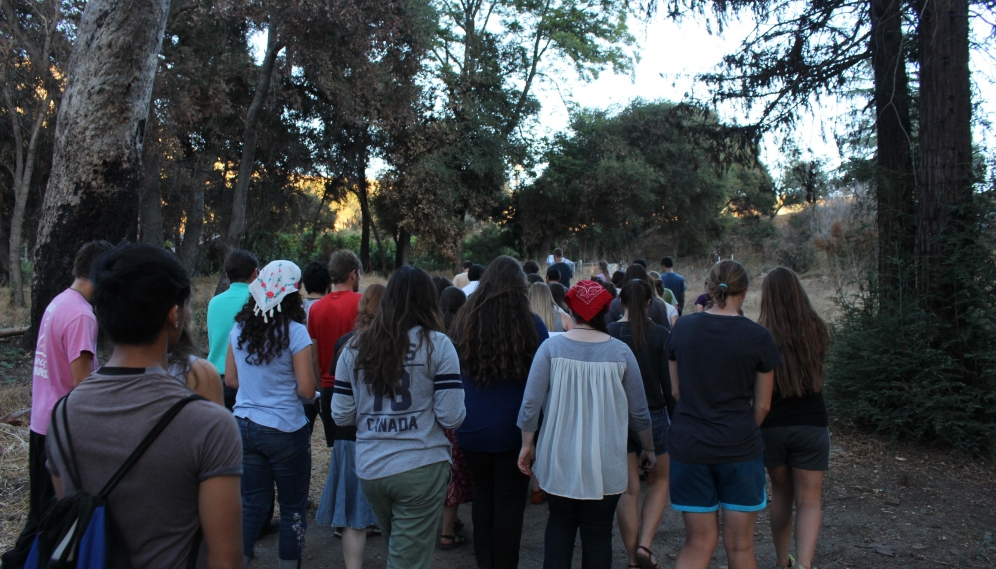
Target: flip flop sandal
x=455 y=541
x=645 y=558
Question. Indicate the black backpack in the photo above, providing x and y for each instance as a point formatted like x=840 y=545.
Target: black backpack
x=77 y=531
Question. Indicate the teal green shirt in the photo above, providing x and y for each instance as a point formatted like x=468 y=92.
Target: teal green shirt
x=221 y=319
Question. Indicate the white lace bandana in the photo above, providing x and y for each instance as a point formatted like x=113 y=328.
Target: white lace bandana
x=275 y=281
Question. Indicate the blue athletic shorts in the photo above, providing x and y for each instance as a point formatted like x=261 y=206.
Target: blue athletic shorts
x=736 y=486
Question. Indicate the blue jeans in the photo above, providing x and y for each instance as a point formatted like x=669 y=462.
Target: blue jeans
x=269 y=456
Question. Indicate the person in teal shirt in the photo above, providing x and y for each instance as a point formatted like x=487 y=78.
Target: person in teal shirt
x=242 y=267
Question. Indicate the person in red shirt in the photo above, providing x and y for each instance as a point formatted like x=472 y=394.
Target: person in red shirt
x=335 y=314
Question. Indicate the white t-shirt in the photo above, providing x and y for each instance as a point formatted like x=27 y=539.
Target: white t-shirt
x=469 y=289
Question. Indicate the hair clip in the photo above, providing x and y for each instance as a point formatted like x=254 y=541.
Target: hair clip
x=723 y=285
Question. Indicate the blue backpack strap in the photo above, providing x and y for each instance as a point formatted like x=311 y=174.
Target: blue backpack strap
x=143 y=446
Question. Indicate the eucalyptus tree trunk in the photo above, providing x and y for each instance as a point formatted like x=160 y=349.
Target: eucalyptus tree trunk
x=93 y=188
x=151 y=214
x=238 y=222
x=945 y=169
x=189 y=250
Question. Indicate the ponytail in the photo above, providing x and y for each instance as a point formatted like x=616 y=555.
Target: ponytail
x=635 y=297
x=727 y=279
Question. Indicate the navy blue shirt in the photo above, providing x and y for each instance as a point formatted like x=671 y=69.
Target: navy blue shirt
x=718 y=358
x=492 y=411
x=676 y=284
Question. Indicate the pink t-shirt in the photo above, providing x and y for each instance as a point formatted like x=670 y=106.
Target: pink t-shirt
x=67 y=329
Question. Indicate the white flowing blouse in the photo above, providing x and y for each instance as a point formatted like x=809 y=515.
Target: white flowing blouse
x=590 y=395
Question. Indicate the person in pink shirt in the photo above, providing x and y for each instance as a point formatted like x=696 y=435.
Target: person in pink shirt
x=64 y=357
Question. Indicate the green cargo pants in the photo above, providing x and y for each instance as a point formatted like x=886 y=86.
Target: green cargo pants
x=408 y=506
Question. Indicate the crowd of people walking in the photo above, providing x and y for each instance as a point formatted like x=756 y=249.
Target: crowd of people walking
x=501 y=385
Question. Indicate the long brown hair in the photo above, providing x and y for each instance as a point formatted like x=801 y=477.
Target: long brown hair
x=265 y=340
x=800 y=334
x=369 y=303
x=409 y=301
x=495 y=331
x=636 y=297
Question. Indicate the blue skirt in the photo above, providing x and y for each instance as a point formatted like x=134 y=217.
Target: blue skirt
x=343 y=503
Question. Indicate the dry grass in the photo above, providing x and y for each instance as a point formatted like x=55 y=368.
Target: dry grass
x=13 y=462
x=12 y=315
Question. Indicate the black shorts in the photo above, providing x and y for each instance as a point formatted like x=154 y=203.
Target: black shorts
x=802 y=446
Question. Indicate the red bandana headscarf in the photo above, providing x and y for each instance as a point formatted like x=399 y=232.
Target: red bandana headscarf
x=587 y=299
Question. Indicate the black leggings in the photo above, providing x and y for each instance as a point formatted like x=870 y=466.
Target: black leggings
x=500 y=492
x=593 y=518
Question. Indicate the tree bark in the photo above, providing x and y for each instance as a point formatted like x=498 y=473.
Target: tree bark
x=895 y=184
x=235 y=230
x=152 y=209
x=237 y=224
x=403 y=253
x=189 y=250
x=97 y=164
x=945 y=173
x=361 y=191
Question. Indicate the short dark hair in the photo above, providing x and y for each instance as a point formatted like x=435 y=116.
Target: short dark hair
x=87 y=254
x=342 y=263
x=558 y=252
x=135 y=286
x=240 y=264
x=533 y=278
x=467 y=264
x=640 y=261
x=476 y=272
x=553 y=274
x=315 y=277
x=530 y=268
x=667 y=262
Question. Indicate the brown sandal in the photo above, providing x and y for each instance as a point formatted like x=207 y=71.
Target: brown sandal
x=646 y=560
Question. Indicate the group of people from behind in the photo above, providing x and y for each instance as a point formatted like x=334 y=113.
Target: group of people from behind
x=422 y=385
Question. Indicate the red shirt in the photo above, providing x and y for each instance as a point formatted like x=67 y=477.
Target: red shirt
x=331 y=318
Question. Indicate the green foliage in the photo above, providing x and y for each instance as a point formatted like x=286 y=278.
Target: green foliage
x=653 y=166
x=484 y=246
x=899 y=368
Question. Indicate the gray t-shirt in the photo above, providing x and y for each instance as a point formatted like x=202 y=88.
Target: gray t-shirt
x=404 y=433
x=155 y=505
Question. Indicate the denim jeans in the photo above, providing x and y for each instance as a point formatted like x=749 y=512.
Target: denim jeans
x=593 y=518
x=499 y=504
x=269 y=456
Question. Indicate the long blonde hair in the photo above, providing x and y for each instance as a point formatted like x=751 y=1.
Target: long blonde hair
x=541 y=303
x=800 y=334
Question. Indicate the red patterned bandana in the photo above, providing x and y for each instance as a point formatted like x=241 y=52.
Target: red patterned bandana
x=587 y=299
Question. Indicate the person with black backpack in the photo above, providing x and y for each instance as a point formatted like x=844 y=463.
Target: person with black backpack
x=136 y=445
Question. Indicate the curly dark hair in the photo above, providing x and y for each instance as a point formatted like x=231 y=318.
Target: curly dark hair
x=495 y=331
x=266 y=341
x=410 y=300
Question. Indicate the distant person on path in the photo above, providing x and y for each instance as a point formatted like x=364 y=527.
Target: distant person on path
x=474 y=274
x=451 y=301
x=795 y=431
x=64 y=356
x=649 y=344
x=398 y=380
x=660 y=312
x=317 y=283
x=722 y=368
x=566 y=269
x=241 y=267
x=601 y=272
x=542 y=304
x=553 y=276
x=462 y=279
x=534 y=278
x=442 y=283
x=702 y=301
x=496 y=335
x=673 y=282
x=587 y=386
x=530 y=268
x=343 y=504
x=269 y=362
x=642 y=262
x=188 y=479
x=662 y=293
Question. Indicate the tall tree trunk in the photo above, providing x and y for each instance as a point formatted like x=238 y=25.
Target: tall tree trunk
x=895 y=185
x=238 y=220
x=152 y=209
x=97 y=164
x=404 y=248
x=945 y=179
x=361 y=191
x=189 y=249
